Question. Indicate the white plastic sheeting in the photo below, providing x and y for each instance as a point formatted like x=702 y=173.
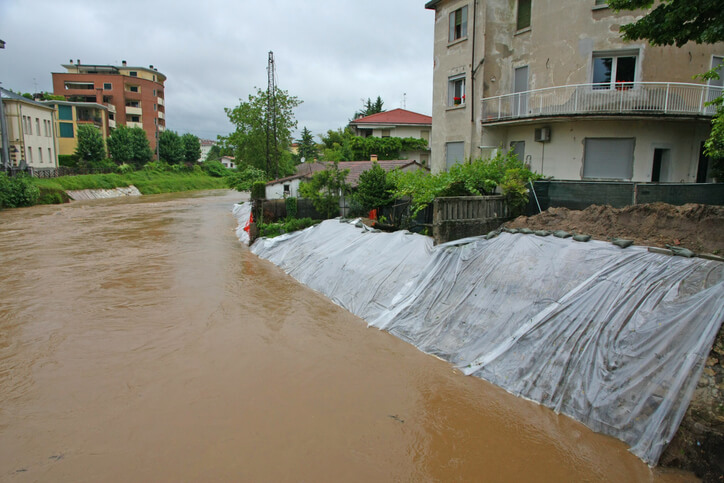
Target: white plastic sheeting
x=614 y=338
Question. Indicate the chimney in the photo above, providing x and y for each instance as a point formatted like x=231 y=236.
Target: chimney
x=71 y=61
x=373 y=157
x=123 y=62
x=78 y=62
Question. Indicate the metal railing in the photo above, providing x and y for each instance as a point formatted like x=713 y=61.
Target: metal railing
x=670 y=98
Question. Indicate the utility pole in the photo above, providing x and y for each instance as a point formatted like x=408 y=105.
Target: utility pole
x=272 y=153
x=5 y=161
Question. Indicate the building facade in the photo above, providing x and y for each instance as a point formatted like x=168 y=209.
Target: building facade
x=398 y=123
x=30 y=132
x=553 y=81
x=70 y=115
x=134 y=96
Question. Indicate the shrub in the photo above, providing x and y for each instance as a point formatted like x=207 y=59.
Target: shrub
x=270 y=230
x=17 y=191
x=242 y=180
x=125 y=168
x=214 y=168
x=291 y=204
x=68 y=160
x=258 y=190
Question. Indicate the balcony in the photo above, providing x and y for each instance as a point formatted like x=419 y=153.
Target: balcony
x=631 y=98
x=134 y=124
x=161 y=115
x=134 y=111
x=112 y=123
x=159 y=101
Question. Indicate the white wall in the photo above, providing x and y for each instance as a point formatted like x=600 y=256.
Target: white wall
x=276 y=191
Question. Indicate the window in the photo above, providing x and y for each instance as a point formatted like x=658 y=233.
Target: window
x=518 y=148
x=133 y=73
x=40 y=155
x=50 y=156
x=30 y=155
x=107 y=86
x=37 y=126
x=386 y=133
x=66 y=129
x=614 y=71
x=287 y=189
x=601 y=3
x=458 y=24
x=133 y=88
x=155 y=107
x=111 y=116
x=608 y=158
x=456 y=90
x=154 y=92
x=135 y=119
x=523 y=17
x=65 y=113
x=133 y=104
x=30 y=125
x=454 y=153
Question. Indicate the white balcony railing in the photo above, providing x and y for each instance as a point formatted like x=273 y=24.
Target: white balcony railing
x=134 y=111
x=629 y=98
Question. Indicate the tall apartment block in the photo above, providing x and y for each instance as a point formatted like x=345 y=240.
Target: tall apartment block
x=134 y=95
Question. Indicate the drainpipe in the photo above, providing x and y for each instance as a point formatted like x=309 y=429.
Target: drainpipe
x=5 y=142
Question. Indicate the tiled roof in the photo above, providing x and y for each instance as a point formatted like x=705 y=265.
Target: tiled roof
x=7 y=94
x=394 y=117
x=304 y=171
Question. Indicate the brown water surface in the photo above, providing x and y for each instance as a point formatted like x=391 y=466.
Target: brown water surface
x=140 y=341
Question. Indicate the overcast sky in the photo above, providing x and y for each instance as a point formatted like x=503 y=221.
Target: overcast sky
x=330 y=54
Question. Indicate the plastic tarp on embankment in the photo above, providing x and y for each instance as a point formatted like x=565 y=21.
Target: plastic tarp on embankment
x=614 y=338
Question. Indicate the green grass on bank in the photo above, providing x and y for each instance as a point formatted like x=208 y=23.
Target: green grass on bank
x=147 y=182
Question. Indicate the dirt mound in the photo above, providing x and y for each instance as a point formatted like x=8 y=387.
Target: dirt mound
x=697 y=227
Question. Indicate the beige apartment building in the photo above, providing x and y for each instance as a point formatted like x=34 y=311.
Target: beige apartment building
x=399 y=123
x=553 y=81
x=30 y=132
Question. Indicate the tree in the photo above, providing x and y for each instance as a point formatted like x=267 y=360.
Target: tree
x=307 y=147
x=678 y=22
x=674 y=21
x=90 y=147
x=129 y=145
x=374 y=190
x=170 y=147
x=192 y=148
x=370 y=107
x=325 y=189
x=249 y=140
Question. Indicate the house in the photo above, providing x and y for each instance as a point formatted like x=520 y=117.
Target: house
x=289 y=186
x=134 y=95
x=30 y=134
x=73 y=114
x=396 y=123
x=228 y=162
x=552 y=81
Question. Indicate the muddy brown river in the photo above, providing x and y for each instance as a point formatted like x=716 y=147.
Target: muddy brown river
x=140 y=341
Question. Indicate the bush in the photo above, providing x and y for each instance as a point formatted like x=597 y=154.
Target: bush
x=242 y=180
x=68 y=160
x=17 y=191
x=270 y=230
x=52 y=196
x=125 y=168
x=258 y=190
x=214 y=168
x=291 y=204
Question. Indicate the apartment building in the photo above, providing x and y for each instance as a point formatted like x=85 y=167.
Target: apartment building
x=30 y=134
x=70 y=115
x=399 y=123
x=553 y=81
x=134 y=96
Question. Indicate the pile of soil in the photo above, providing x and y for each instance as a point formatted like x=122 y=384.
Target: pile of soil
x=699 y=228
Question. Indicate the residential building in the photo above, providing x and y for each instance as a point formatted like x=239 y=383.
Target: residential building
x=398 y=123
x=70 y=115
x=206 y=145
x=136 y=94
x=30 y=132
x=553 y=81
x=228 y=162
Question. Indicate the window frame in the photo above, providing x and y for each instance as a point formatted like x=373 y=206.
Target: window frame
x=453 y=34
x=452 y=82
x=590 y=170
x=613 y=83
x=449 y=164
x=518 y=18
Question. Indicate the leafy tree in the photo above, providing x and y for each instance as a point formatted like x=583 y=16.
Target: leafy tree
x=675 y=21
x=307 y=147
x=326 y=188
x=342 y=145
x=374 y=190
x=215 y=169
x=192 y=148
x=129 y=145
x=253 y=120
x=244 y=179
x=678 y=22
x=370 y=107
x=170 y=147
x=90 y=145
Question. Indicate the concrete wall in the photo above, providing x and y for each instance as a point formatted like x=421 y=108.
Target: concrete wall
x=276 y=191
x=563 y=157
x=35 y=146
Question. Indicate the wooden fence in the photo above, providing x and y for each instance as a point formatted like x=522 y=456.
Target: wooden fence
x=463 y=216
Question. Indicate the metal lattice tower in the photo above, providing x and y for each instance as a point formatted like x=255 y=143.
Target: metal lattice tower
x=272 y=153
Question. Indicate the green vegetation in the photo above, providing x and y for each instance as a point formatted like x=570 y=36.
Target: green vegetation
x=270 y=230
x=342 y=145
x=244 y=179
x=192 y=148
x=18 y=191
x=129 y=146
x=170 y=147
x=258 y=190
x=477 y=178
x=90 y=148
x=370 y=107
x=374 y=189
x=307 y=147
x=253 y=121
x=325 y=189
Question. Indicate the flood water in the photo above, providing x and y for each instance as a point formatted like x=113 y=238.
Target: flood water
x=140 y=341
